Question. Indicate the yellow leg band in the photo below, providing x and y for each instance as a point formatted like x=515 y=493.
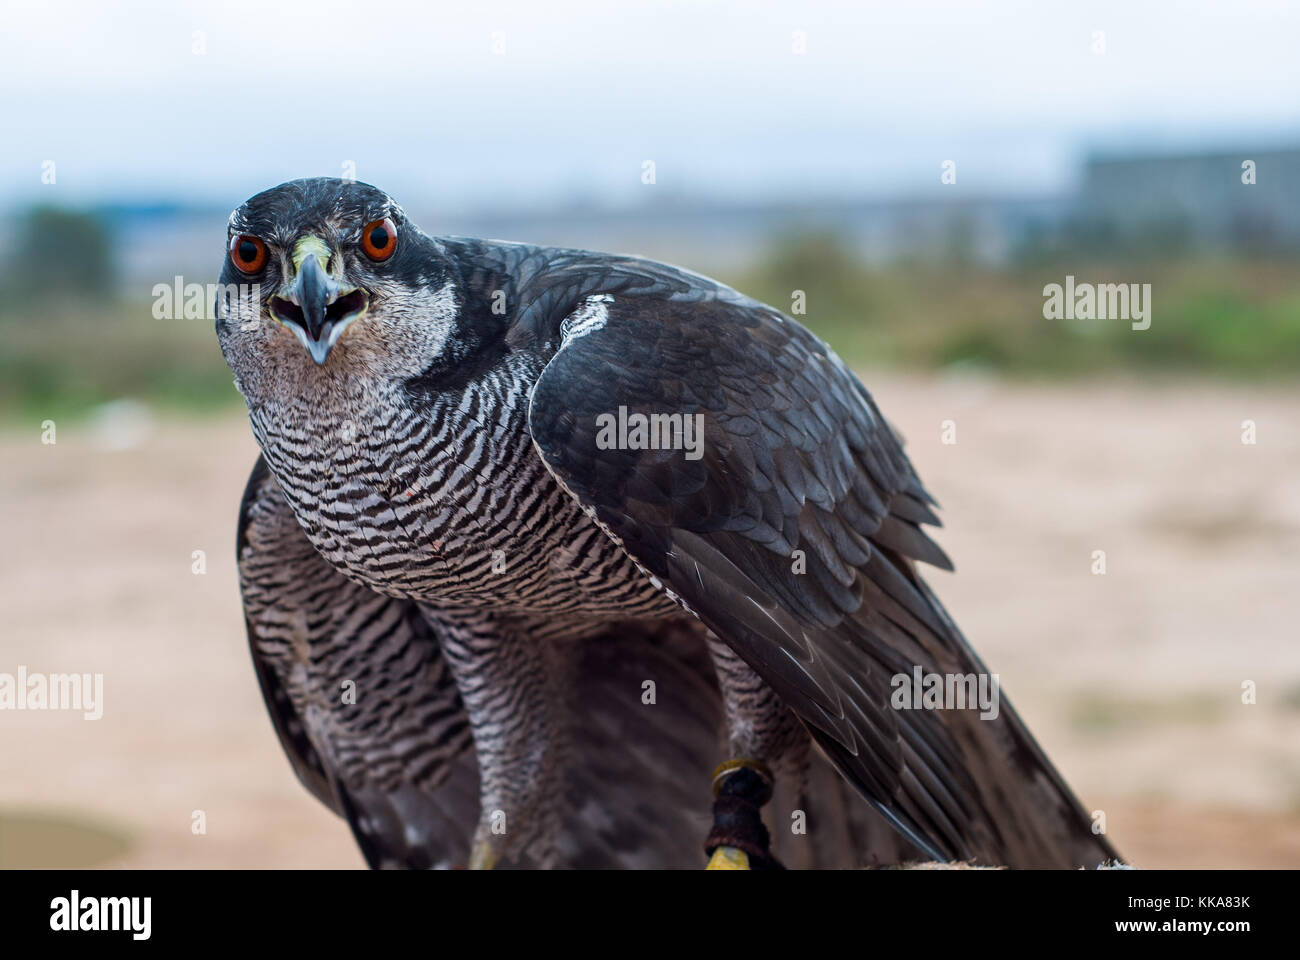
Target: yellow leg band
x=724 y=770
x=728 y=858
x=482 y=857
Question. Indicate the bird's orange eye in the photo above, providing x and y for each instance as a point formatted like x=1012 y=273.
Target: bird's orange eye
x=379 y=239
x=247 y=253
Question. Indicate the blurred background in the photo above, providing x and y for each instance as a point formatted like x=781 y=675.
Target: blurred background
x=918 y=172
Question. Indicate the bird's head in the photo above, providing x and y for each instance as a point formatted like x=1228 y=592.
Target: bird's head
x=326 y=280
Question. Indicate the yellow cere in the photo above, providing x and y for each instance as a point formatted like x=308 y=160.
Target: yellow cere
x=308 y=245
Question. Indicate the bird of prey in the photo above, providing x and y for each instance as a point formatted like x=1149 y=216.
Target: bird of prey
x=540 y=537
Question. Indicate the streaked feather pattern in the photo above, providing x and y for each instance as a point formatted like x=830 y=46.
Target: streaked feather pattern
x=434 y=524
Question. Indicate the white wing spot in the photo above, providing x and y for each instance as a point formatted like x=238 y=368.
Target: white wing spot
x=590 y=317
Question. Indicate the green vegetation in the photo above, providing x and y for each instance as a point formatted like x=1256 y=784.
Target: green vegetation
x=69 y=343
x=61 y=250
x=1221 y=317
x=1105 y=715
x=39 y=840
x=62 y=357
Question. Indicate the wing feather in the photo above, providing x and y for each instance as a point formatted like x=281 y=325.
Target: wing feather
x=794 y=538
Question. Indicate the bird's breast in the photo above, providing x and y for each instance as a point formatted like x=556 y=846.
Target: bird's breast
x=450 y=504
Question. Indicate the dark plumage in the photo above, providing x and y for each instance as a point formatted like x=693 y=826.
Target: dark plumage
x=440 y=521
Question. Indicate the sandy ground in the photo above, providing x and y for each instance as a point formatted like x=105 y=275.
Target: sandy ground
x=1132 y=680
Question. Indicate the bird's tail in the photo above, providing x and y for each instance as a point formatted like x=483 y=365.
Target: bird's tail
x=1033 y=819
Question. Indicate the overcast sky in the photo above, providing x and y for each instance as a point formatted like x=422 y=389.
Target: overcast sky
x=584 y=92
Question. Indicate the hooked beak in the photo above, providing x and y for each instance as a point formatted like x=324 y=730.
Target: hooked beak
x=317 y=309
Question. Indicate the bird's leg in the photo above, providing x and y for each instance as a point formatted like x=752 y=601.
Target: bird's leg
x=763 y=735
x=739 y=839
x=504 y=678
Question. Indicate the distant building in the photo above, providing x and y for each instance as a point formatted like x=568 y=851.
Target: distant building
x=1195 y=200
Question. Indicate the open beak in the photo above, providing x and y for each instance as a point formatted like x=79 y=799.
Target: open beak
x=317 y=309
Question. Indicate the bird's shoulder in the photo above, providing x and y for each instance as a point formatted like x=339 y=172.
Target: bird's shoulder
x=540 y=288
